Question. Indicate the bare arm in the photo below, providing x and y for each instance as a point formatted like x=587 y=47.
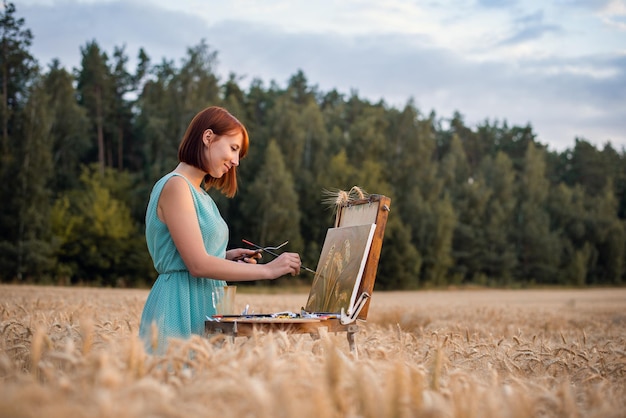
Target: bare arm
x=176 y=209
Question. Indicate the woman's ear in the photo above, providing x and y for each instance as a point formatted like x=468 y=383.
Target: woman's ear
x=207 y=136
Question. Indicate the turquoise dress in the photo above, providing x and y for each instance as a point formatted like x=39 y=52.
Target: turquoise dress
x=178 y=302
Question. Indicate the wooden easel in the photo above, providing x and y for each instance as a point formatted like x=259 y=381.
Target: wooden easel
x=372 y=209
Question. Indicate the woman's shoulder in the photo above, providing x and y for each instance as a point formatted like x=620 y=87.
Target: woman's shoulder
x=169 y=184
x=171 y=179
x=176 y=184
x=175 y=193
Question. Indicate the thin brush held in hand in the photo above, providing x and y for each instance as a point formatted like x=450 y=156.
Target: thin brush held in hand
x=267 y=250
x=259 y=250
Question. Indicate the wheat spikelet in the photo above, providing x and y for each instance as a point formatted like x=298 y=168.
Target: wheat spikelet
x=136 y=358
x=334 y=198
x=107 y=375
x=436 y=369
x=334 y=366
x=36 y=350
x=367 y=395
x=398 y=391
x=87 y=333
x=356 y=193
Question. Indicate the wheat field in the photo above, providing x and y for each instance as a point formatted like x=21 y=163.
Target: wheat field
x=74 y=352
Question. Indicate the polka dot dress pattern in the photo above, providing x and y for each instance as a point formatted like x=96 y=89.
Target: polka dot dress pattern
x=178 y=302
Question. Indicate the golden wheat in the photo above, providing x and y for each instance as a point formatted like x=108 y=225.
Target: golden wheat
x=489 y=353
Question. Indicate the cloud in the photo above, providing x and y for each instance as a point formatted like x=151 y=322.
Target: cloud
x=528 y=28
x=616 y=21
x=560 y=96
x=587 y=4
x=60 y=31
x=497 y=3
x=580 y=95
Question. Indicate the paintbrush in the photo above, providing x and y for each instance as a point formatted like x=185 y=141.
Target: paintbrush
x=265 y=249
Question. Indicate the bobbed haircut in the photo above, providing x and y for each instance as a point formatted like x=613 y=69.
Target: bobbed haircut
x=190 y=150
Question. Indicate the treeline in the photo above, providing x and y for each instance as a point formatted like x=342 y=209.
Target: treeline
x=490 y=205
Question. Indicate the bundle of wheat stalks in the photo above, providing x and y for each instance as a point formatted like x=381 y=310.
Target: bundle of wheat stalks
x=75 y=353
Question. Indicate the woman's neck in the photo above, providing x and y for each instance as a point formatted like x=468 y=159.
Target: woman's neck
x=193 y=174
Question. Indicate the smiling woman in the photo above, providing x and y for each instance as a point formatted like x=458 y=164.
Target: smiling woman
x=187 y=236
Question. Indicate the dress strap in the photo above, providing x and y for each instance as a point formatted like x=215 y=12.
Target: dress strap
x=193 y=188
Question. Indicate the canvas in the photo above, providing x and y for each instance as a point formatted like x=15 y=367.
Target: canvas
x=340 y=268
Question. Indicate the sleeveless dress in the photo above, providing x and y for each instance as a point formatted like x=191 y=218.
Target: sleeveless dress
x=178 y=303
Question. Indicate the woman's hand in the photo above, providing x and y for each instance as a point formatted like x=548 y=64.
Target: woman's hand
x=286 y=263
x=244 y=255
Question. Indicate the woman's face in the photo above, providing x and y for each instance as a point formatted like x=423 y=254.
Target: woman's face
x=222 y=152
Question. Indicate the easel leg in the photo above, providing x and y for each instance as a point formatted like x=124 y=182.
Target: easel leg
x=352 y=343
x=220 y=333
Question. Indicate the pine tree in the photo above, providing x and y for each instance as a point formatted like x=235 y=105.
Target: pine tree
x=400 y=262
x=33 y=174
x=537 y=246
x=17 y=70
x=122 y=82
x=94 y=83
x=499 y=260
x=69 y=130
x=194 y=87
x=18 y=82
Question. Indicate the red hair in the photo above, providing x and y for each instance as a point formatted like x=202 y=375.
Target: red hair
x=221 y=122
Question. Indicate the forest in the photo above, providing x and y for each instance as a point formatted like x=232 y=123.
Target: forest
x=485 y=205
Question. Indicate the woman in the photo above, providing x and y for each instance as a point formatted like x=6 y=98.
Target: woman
x=187 y=237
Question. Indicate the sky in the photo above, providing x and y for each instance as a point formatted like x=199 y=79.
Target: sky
x=559 y=66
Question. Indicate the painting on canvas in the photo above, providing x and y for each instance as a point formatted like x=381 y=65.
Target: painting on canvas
x=340 y=268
